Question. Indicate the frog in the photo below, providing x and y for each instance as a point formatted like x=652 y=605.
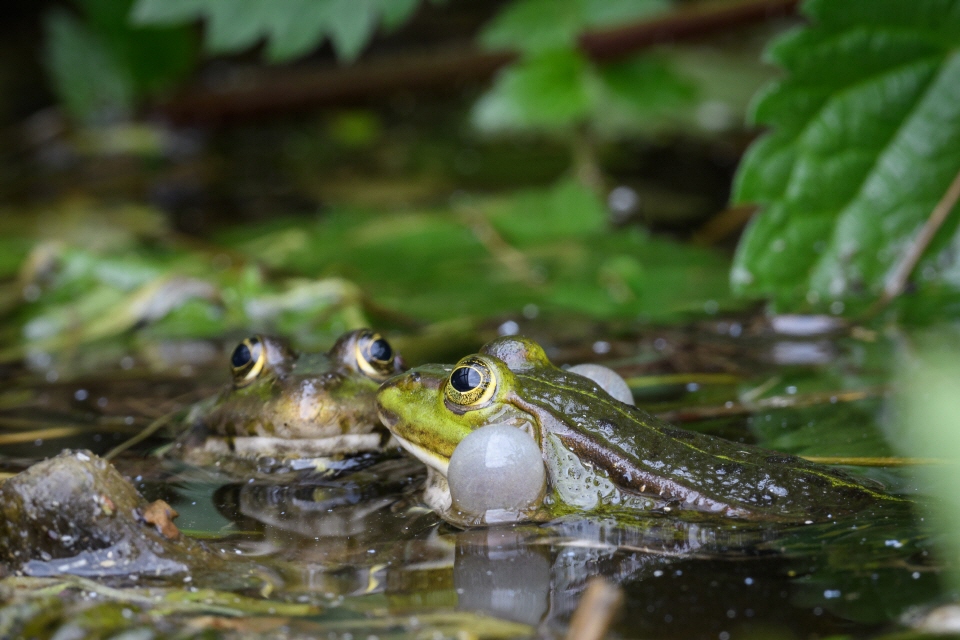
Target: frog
x=598 y=454
x=289 y=410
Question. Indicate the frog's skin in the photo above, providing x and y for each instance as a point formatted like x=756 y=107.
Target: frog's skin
x=601 y=455
x=287 y=406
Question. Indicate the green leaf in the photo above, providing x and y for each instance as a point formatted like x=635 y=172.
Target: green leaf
x=166 y=11
x=394 y=13
x=548 y=91
x=865 y=140
x=86 y=77
x=352 y=23
x=296 y=31
x=290 y=29
x=552 y=248
x=606 y=13
x=926 y=425
x=644 y=85
x=153 y=57
x=566 y=210
x=536 y=26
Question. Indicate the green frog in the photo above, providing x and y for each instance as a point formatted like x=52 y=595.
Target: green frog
x=289 y=410
x=598 y=454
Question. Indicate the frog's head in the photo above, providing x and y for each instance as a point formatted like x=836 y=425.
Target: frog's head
x=277 y=392
x=432 y=408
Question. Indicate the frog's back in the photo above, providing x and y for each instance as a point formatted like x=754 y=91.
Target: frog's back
x=690 y=470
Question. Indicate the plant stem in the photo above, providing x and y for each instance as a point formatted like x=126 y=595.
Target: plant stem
x=897 y=281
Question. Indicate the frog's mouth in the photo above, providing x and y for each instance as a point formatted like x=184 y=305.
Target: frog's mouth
x=388 y=418
x=421 y=453
x=424 y=455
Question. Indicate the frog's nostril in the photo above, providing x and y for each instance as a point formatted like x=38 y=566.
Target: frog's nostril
x=414 y=377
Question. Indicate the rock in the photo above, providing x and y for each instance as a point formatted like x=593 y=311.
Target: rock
x=76 y=514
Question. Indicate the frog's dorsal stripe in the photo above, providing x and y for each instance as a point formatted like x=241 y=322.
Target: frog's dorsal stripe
x=698 y=482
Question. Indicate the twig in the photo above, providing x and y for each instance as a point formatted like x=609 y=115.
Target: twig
x=692 y=414
x=506 y=254
x=897 y=281
x=687 y=21
x=148 y=431
x=593 y=616
x=723 y=224
x=668 y=379
x=116 y=425
x=51 y=433
x=865 y=461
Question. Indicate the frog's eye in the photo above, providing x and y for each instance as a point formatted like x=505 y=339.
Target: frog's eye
x=247 y=361
x=375 y=356
x=471 y=383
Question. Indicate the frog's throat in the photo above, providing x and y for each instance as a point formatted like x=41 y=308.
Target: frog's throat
x=424 y=455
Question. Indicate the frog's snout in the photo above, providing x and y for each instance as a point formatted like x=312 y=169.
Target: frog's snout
x=403 y=383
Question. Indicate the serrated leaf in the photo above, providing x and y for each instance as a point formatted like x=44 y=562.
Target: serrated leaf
x=290 y=29
x=352 y=23
x=295 y=32
x=865 y=141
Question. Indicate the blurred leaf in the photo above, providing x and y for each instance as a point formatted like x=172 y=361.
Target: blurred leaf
x=537 y=26
x=558 y=89
x=100 y=66
x=352 y=23
x=865 y=140
x=566 y=210
x=534 y=26
x=547 y=91
x=396 y=12
x=599 y=14
x=646 y=84
x=554 y=250
x=154 y=57
x=291 y=29
x=928 y=426
x=87 y=78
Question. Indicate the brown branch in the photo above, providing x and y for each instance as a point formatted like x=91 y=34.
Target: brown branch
x=268 y=91
x=599 y=603
x=866 y=461
x=685 y=22
x=693 y=414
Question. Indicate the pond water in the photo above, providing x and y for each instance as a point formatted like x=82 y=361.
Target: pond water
x=363 y=558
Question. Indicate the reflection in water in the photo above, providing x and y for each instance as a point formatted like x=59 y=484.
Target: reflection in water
x=365 y=536
x=496 y=573
x=364 y=544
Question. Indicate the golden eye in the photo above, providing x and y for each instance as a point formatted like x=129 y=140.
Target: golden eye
x=471 y=383
x=375 y=357
x=247 y=361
